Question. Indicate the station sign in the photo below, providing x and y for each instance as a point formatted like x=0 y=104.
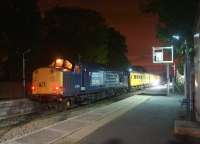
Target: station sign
x=162 y=55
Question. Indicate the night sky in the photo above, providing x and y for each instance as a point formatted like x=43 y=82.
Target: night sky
x=125 y=16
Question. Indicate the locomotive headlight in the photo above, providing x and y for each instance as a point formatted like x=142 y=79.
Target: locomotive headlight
x=156 y=83
x=59 y=63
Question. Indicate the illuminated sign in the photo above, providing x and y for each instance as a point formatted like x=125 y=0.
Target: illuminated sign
x=163 y=54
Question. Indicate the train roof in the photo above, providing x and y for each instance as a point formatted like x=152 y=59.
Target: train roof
x=92 y=66
x=138 y=69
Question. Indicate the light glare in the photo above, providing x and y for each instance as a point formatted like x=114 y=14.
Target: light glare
x=177 y=37
x=197 y=35
x=130 y=69
x=156 y=83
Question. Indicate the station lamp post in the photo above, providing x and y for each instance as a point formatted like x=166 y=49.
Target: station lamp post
x=177 y=37
x=188 y=82
x=24 y=70
x=187 y=76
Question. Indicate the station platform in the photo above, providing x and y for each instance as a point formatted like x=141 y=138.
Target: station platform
x=74 y=129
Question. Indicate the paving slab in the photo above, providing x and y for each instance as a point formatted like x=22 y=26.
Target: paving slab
x=103 y=111
x=69 y=126
x=42 y=137
x=90 y=117
x=14 y=142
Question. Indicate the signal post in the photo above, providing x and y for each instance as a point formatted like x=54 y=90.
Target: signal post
x=164 y=55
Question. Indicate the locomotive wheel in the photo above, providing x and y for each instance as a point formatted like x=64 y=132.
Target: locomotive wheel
x=67 y=104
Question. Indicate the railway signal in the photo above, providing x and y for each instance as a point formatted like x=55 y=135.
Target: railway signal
x=164 y=55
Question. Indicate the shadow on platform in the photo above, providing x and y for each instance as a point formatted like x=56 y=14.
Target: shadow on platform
x=153 y=94
x=114 y=141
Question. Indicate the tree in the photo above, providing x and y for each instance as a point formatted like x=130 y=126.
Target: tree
x=74 y=32
x=70 y=32
x=19 y=30
x=117 y=49
x=175 y=17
